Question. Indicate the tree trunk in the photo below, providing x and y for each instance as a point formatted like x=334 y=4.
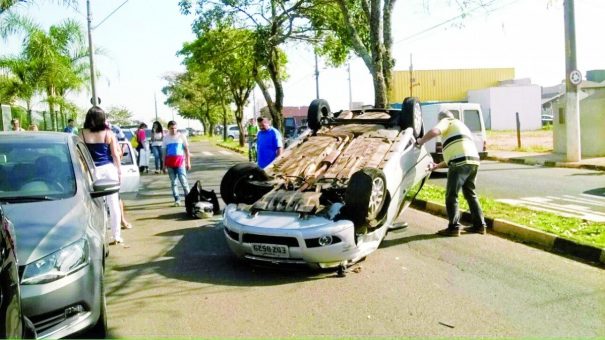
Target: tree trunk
x=377 y=49
x=276 y=114
x=387 y=62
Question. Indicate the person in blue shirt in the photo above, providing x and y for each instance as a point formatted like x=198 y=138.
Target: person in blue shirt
x=71 y=127
x=269 y=142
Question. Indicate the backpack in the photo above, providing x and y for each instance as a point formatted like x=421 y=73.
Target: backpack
x=200 y=203
x=134 y=141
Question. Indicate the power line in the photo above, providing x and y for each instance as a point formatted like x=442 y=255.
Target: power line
x=461 y=15
x=110 y=14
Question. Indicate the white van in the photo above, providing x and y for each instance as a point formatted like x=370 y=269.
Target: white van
x=469 y=113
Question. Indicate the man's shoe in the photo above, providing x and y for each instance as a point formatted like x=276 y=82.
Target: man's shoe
x=479 y=230
x=177 y=203
x=449 y=232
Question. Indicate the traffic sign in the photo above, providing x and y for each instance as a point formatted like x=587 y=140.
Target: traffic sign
x=575 y=77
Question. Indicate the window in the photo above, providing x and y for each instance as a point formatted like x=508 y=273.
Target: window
x=456 y=113
x=472 y=120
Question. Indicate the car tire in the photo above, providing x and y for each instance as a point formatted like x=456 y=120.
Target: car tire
x=411 y=116
x=234 y=188
x=365 y=197
x=99 y=330
x=318 y=110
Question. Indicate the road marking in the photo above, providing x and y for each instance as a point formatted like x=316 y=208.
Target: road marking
x=580 y=207
x=225 y=152
x=594 y=197
x=206 y=153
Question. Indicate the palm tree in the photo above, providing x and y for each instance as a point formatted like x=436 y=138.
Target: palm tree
x=57 y=55
x=20 y=82
x=7 y=4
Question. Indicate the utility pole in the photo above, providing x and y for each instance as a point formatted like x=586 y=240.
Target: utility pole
x=411 y=76
x=316 y=78
x=350 y=91
x=94 y=99
x=155 y=101
x=572 y=79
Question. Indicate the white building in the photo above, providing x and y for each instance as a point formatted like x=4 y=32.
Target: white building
x=500 y=105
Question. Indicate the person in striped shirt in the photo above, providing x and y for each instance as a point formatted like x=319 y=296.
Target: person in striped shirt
x=461 y=158
x=177 y=160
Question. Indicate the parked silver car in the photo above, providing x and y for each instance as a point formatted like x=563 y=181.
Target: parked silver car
x=49 y=191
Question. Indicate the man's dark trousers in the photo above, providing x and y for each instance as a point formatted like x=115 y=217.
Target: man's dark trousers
x=462 y=177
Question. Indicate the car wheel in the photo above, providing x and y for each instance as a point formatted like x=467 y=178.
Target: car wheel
x=99 y=330
x=230 y=137
x=365 y=197
x=411 y=116
x=234 y=188
x=318 y=110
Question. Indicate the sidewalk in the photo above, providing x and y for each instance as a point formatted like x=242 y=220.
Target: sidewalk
x=546 y=159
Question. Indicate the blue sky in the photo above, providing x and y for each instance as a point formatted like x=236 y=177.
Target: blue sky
x=143 y=36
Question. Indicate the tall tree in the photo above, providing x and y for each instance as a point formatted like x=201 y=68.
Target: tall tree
x=227 y=55
x=119 y=115
x=20 y=82
x=363 y=27
x=273 y=23
x=8 y=4
x=57 y=54
x=195 y=97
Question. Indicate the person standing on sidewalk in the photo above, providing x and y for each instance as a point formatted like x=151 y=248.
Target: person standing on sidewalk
x=157 y=138
x=251 y=131
x=269 y=142
x=103 y=147
x=461 y=158
x=177 y=160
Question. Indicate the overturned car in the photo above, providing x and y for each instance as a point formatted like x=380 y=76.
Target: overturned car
x=330 y=197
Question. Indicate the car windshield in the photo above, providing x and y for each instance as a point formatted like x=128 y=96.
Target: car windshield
x=35 y=171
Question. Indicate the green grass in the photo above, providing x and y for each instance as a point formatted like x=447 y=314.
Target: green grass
x=587 y=232
x=218 y=140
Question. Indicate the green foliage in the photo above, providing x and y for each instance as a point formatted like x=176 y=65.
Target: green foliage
x=584 y=231
x=52 y=62
x=119 y=115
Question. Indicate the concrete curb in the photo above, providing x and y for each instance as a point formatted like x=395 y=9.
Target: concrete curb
x=524 y=234
x=230 y=148
x=521 y=160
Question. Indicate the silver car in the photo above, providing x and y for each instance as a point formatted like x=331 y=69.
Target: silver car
x=329 y=199
x=49 y=191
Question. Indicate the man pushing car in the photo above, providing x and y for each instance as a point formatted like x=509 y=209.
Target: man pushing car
x=461 y=158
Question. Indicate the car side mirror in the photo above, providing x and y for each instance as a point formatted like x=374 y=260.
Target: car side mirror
x=104 y=187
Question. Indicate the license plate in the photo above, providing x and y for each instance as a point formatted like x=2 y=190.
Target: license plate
x=271 y=250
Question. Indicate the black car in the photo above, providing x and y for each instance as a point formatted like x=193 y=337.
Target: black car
x=12 y=322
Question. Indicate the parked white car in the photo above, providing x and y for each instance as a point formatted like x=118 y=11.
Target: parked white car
x=469 y=113
x=331 y=196
x=130 y=177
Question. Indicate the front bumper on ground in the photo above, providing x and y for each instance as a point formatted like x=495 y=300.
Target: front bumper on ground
x=300 y=235
x=65 y=306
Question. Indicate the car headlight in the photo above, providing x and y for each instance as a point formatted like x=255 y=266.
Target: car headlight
x=58 y=264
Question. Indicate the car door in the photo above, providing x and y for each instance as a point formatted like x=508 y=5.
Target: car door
x=130 y=176
x=472 y=119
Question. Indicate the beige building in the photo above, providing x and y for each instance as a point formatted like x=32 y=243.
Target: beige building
x=445 y=85
x=592 y=121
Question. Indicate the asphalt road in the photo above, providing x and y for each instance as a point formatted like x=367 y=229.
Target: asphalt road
x=565 y=191
x=175 y=277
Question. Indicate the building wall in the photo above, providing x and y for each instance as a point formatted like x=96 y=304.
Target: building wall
x=445 y=85
x=592 y=123
x=500 y=105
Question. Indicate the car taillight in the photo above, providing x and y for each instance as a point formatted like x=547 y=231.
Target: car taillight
x=438 y=147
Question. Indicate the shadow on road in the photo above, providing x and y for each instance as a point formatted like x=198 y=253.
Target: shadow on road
x=403 y=240
x=202 y=255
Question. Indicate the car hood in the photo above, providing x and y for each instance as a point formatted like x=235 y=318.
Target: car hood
x=44 y=227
